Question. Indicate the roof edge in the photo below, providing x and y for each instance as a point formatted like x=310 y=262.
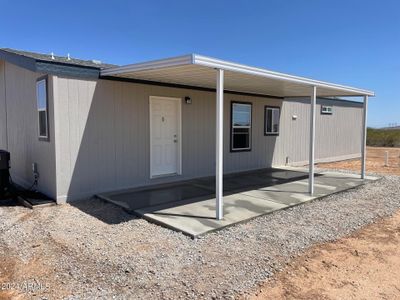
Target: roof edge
x=235 y=67
x=49 y=67
x=151 y=65
x=18 y=60
x=195 y=59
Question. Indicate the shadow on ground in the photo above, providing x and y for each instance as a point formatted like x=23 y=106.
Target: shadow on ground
x=103 y=211
x=9 y=202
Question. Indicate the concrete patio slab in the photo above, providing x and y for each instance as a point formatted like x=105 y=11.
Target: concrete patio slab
x=189 y=207
x=197 y=218
x=135 y=199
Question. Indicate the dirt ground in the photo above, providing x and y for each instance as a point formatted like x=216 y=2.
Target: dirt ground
x=375 y=162
x=365 y=265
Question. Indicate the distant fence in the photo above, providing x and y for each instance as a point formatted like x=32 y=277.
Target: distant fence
x=383 y=137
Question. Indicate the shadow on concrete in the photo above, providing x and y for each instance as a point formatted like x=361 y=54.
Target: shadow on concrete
x=163 y=197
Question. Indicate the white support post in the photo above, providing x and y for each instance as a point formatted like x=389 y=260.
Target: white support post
x=312 y=140
x=364 y=137
x=219 y=168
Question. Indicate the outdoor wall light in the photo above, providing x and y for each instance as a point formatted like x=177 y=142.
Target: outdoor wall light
x=188 y=100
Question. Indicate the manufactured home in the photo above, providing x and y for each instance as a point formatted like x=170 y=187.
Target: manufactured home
x=90 y=128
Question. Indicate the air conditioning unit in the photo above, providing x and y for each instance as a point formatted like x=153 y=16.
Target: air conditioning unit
x=4 y=171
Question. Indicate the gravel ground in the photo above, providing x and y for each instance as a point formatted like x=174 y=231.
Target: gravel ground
x=93 y=249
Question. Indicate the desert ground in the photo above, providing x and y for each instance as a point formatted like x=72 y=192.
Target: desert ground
x=342 y=246
x=375 y=162
x=365 y=265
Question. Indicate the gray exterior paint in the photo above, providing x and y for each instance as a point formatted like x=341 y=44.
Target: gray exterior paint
x=103 y=138
x=99 y=133
x=3 y=114
x=337 y=136
x=18 y=106
x=102 y=133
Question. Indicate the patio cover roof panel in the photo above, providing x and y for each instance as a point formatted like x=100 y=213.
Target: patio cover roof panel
x=196 y=70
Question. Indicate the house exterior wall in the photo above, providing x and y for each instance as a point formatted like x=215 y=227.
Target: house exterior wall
x=102 y=135
x=337 y=136
x=3 y=115
x=18 y=107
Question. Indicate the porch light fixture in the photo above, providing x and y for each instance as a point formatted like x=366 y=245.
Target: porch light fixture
x=188 y=100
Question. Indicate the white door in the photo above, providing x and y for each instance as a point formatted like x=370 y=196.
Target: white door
x=165 y=124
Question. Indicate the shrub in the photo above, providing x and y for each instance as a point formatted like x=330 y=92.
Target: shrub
x=383 y=137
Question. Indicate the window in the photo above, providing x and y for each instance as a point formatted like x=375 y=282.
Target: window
x=326 y=110
x=271 y=119
x=241 y=127
x=41 y=98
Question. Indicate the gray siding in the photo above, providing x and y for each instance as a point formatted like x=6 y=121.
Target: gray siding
x=18 y=91
x=102 y=131
x=337 y=136
x=3 y=115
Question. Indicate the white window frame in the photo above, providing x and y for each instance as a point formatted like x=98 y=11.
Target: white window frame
x=272 y=108
x=233 y=103
x=38 y=82
x=326 y=110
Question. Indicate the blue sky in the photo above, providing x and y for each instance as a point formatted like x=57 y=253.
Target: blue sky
x=350 y=42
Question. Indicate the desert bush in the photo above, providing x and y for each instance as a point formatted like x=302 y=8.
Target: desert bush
x=383 y=137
